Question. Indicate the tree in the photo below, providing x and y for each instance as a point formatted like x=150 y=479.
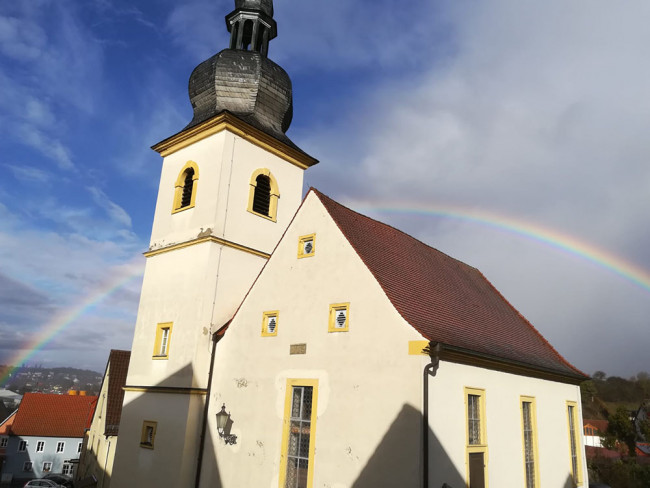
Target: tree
x=599 y=376
x=621 y=429
x=588 y=390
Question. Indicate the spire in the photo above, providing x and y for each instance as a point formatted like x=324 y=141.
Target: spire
x=251 y=25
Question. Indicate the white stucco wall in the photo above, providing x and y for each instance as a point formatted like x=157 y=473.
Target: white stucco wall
x=503 y=391
x=15 y=459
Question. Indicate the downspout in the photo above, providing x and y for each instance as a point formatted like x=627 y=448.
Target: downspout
x=204 y=424
x=429 y=370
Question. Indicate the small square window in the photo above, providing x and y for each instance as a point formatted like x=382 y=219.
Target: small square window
x=47 y=467
x=339 y=320
x=270 y=323
x=148 y=434
x=162 y=340
x=60 y=446
x=4 y=441
x=22 y=446
x=307 y=246
x=27 y=466
x=40 y=446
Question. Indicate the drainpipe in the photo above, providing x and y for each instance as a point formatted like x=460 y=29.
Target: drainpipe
x=429 y=370
x=204 y=424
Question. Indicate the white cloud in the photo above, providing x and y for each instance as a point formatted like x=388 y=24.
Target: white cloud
x=114 y=211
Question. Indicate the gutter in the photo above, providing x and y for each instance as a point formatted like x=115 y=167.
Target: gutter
x=429 y=370
x=204 y=425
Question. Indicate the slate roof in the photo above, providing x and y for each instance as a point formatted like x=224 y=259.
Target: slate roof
x=445 y=300
x=46 y=415
x=118 y=366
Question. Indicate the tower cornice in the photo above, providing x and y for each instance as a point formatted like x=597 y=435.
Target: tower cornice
x=233 y=124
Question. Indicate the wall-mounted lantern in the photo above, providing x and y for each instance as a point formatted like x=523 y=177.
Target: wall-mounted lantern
x=223 y=418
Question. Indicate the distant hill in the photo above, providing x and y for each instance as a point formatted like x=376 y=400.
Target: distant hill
x=50 y=380
x=602 y=395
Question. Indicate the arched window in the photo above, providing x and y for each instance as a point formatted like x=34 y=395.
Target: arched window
x=185 y=188
x=264 y=194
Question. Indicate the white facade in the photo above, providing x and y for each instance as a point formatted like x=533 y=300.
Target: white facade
x=44 y=455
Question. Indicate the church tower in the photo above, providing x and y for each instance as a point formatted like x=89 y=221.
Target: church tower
x=231 y=181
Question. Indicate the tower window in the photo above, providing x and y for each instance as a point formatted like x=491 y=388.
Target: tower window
x=148 y=435
x=185 y=188
x=264 y=194
x=307 y=246
x=161 y=343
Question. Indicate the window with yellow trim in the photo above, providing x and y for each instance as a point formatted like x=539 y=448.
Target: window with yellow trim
x=185 y=187
x=574 y=443
x=148 y=436
x=263 y=194
x=298 y=436
x=162 y=341
x=476 y=437
x=307 y=246
x=270 y=323
x=339 y=320
x=529 y=431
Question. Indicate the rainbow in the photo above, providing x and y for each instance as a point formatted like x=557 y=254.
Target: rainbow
x=121 y=275
x=564 y=242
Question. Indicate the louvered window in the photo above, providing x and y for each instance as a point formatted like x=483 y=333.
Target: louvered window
x=262 y=196
x=339 y=317
x=148 y=436
x=188 y=186
x=270 y=323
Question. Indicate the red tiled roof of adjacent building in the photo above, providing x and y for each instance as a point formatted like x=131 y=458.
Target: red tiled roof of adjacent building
x=41 y=414
x=118 y=366
x=444 y=299
x=600 y=425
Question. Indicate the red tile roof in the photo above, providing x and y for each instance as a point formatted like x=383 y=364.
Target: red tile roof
x=444 y=299
x=40 y=414
x=600 y=425
x=118 y=364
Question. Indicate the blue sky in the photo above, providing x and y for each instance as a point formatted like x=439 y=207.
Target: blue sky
x=538 y=112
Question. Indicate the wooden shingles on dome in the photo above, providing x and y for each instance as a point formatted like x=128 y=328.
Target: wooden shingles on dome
x=446 y=300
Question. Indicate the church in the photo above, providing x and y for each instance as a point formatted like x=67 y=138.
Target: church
x=292 y=342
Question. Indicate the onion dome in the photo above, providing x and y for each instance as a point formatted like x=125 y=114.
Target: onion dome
x=241 y=79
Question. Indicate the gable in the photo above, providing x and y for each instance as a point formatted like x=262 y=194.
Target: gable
x=444 y=299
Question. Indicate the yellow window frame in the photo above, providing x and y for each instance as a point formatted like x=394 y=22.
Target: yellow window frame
x=284 y=453
x=143 y=437
x=334 y=308
x=533 y=422
x=265 y=319
x=482 y=446
x=275 y=194
x=301 y=246
x=572 y=414
x=158 y=340
x=180 y=184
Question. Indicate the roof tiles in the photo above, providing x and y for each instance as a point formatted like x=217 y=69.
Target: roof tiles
x=46 y=415
x=119 y=366
x=444 y=299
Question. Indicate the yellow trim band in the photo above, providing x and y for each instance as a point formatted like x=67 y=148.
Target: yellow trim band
x=201 y=240
x=416 y=348
x=167 y=389
x=227 y=121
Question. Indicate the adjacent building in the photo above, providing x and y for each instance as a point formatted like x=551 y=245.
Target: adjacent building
x=296 y=343
x=46 y=435
x=96 y=462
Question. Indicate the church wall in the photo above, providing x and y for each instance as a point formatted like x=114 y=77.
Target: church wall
x=503 y=391
x=367 y=382
x=172 y=461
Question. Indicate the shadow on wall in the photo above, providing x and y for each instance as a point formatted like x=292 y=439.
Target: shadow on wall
x=397 y=460
x=134 y=414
